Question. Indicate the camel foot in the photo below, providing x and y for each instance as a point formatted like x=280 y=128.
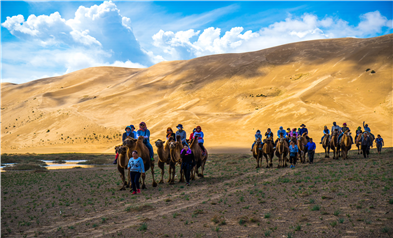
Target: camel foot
x=127 y=186
x=271 y=165
x=154 y=184
x=267 y=166
x=200 y=175
x=257 y=167
x=161 y=181
x=143 y=186
x=122 y=189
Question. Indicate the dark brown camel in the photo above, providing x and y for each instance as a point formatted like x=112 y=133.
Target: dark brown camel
x=143 y=152
x=257 y=152
x=200 y=160
x=326 y=145
x=122 y=163
x=334 y=145
x=301 y=144
x=268 y=151
x=358 y=143
x=163 y=153
x=346 y=144
x=282 y=151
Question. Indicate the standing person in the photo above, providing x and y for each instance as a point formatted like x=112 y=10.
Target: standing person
x=335 y=127
x=182 y=134
x=143 y=131
x=170 y=134
x=366 y=143
x=325 y=131
x=136 y=167
x=293 y=152
x=188 y=162
x=366 y=128
x=380 y=143
x=257 y=135
x=269 y=133
x=311 y=150
x=199 y=133
x=116 y=157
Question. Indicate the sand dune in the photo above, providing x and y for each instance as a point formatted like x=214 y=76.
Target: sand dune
x=229 y=95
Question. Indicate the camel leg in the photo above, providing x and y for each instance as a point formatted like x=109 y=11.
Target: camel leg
x=203 y=167
x=161 y=165
x=173 y=166
x=143 y=181
x=154 y=183
x=192 y=176
x=267 y=160
x=121 y=170
x=181 y=175
x=129 y=178
x=169 y=173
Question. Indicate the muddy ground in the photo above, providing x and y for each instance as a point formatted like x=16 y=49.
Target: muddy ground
x=330 y=198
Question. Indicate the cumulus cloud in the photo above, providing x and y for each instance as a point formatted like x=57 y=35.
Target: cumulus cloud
x=292 y=29
x=96 y=35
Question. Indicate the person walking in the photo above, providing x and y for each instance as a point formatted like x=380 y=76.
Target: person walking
x=365 y=144
x=311 y=151
x=380 y=143
x=137 y=168
x=188 y=162
x=293 y=152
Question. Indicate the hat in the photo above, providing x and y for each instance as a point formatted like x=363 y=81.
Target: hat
x=127 y=127
x=344 y=124
x=132 y=126
x=198 y=127
x=288 y=129
x=302 y=125
x=142 y=124
x=268 y=128
x=281 y=127
x=258 y=131
x=180 y=125
x=359 y=128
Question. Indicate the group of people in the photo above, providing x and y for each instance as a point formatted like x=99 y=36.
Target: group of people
x=135 y=163
x=366 y=139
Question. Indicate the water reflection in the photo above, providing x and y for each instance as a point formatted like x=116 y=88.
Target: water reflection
x=53 y=164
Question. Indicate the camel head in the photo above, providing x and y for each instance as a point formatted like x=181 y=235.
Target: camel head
x=130 y=142
x=173 y=144
x=122 y=149
x=160 y=143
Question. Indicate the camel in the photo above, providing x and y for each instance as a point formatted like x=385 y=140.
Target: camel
x=334 y=145
x=122 y=163
x=301 y=144
x=326 y=145
x=268 y=151
x=143 y=152
x=346 y=144
x=257 y=152
x=282 y=151
x=358 y=143
x=200 y=160
x=175 y=149
x=163 y=153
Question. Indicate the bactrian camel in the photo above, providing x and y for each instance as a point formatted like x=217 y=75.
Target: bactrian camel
x=268 y=151
x=200 y=159
x=257 y=152
x=143 y=152
x=163 y=153
x=122 y=163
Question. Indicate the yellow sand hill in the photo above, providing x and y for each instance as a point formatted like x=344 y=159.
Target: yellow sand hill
x=230 y=96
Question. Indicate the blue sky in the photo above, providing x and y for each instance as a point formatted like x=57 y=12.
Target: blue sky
x=44 y=39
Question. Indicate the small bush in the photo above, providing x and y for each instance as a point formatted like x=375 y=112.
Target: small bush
x=315 y=208
x=391 y=201
x=298 y=228
x=267 y=215
x=267 y=233
x=333 y=224
x=341 y=220
x=336 y=213
x=143 y=227
x=372 y=71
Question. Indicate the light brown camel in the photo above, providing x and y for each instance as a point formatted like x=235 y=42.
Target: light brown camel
x=301 y=144
x=358 y=143
x=268 y=151
x=200 y=160
x=143 y=152
x=346 y=144
x=257 y=152
x=326 y=145
x=282 y=151
x=175 y=148
x=334 y=145
x=122 y=163
x=163 y=153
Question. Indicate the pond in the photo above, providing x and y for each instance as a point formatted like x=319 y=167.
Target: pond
x=52 y=164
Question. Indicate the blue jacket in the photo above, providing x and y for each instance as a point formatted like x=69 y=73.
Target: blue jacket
x=284 y=133
x=145 y=133
x=200 y=136
x=328 y=132
x=367 y=129
x=133 y=134
x=136 y=165
x=311 y=146
x=293 y=150
x=258 y=136
x=302 y=130
x=379 y=141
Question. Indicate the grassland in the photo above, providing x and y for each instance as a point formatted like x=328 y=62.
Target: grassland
x=327 y=199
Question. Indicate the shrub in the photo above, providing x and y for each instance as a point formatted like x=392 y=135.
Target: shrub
x=267 y=215
x=143 y=227
x=315 y=208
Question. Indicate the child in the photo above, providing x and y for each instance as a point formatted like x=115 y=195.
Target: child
x=257 y=135
x=311 y=150
x=380 y=143
x=200 y=135
x=136 y=167
x=293 y=151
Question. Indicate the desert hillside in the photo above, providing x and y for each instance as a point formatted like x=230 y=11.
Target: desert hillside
x=230 y=96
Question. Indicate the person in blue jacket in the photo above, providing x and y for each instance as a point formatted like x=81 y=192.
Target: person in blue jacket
x=311 y=150
x=136 y=168
x=280 y=131
x=130 y=132
x=303 y=130
x=380 y=143
x=366 y=128
x=325 y=131
x=257 y=135
x=143 y=131
x=269 y=133
x=293 y=152
x=198 y=132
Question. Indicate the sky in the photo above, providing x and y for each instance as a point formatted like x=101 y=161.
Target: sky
x=46 y=39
